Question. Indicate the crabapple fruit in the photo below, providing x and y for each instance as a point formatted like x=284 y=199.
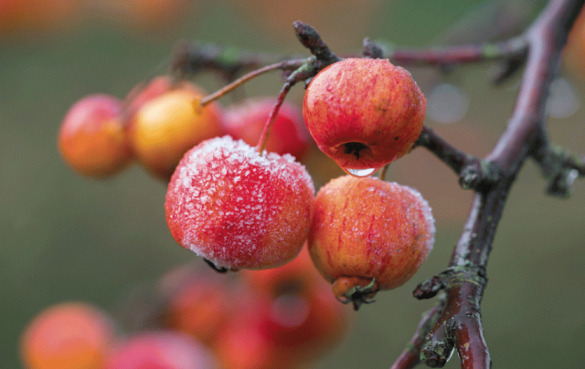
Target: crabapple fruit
x=92 y=139
x=195 y=303
x=69 y=335
x=288 y=134
x=364 y=113
x=369 y=235
x=295 y=309
x=241 y=346
x=160 y=350
x=165 y=127
x=146 y=91
x=237 y=208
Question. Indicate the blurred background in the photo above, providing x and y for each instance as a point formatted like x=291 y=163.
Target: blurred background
x=65 y=237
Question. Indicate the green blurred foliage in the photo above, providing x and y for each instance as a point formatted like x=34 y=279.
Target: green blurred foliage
x=65 y=237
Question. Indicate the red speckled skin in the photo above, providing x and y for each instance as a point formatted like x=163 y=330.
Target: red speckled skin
x=288 y=135
x=368 y=101
x=365 y=227
x=237 y=209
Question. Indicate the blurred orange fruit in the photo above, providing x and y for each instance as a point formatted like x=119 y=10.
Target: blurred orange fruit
x=70 y=335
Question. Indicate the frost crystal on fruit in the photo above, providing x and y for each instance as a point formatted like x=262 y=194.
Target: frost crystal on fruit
x=237 y=208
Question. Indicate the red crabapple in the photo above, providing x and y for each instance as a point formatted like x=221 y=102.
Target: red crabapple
x=69 y=335
x=364 y=113
x=237 y=208
x=195 y=303
x=369 y=235
x=295 y=310
x=160 y=350
x=241 y=346
x=288 y=134
x=92 y=139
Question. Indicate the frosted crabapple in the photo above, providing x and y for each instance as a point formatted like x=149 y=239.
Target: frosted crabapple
x=165 y=127
x=92 y=139
x=364 y=113
x=369 y=235
x=69 y=335
x=288 y=134
x=237 y=208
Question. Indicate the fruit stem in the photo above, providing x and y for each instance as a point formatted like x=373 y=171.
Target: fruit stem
x=237 y=83
x=272 y=116
x=382 y=174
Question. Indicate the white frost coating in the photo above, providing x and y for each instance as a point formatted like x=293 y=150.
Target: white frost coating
x=427 y=212
x=225 y=196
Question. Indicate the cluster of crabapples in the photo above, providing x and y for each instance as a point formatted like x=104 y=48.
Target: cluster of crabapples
x=156 y=124
x=254 y=208
x=241 y=208
x=281 y=318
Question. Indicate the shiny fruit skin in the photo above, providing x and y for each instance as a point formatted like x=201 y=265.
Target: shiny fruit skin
x=160 y=350
x=365 y=228
x=364 y=113
x=92 y=139
x=288 y=134
x=143 y=92
x=69 y=335
x=165 y=127
x=237 y=208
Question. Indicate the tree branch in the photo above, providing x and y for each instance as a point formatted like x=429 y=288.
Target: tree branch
x=513 y=48
x=473 y=172
x=459 y=324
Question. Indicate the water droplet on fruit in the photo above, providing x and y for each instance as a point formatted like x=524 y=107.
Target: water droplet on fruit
x=360 y=172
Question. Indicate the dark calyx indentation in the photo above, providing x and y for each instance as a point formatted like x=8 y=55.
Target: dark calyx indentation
x=215 y=267
x=354 y=148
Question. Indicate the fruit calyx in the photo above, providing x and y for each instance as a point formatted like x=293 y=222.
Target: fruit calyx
x=354 y=148
x=355 y=290
x=218 y=269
